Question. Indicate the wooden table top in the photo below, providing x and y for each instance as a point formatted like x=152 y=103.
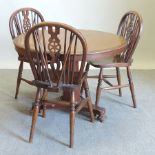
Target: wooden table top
x=100 y=44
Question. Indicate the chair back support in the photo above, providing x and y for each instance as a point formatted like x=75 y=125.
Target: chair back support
x=23 y=19
x=52 y=50
x=130 y=28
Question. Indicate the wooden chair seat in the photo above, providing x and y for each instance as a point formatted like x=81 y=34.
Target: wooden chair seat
x=109 y=63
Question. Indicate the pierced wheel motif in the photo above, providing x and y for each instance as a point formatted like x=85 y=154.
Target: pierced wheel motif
x=26 y=21
x=54 y=46
x=27 y=25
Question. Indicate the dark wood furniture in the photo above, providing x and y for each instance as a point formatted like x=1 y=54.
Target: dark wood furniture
x=130 y=28
x=100 y=46
x=20 y=22
x=54 y=68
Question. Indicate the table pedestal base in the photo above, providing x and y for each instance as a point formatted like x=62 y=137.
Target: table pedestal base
x=99 y=112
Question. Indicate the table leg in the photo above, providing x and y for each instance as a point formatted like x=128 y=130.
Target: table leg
x=99 y=112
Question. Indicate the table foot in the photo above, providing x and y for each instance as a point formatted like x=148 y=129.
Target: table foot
x=99 y=113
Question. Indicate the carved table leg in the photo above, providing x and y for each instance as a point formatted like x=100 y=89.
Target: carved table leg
x=99 y=112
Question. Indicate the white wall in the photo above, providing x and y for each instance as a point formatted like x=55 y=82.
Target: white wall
x=89 y=14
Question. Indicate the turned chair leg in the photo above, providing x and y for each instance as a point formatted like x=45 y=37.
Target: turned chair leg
x=45 y=96
x=99 y=87
x=20 y=70
x=119 y=79
x=82 y=89
x=35 y=114
x=72 y=121
x=44 y=111
x=131 y=86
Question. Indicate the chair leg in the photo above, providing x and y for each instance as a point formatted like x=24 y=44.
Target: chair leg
x=35 y=114
x=119 y=79
x=72 y=121
x=44 y=111
x=131 y=86
x=99 y=87
x=45 y=96
x=20 y=70
x=82 y=89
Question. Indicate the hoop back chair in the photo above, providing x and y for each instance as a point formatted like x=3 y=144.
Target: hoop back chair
x=20 y=22
x=52 y=51
x=130 y=28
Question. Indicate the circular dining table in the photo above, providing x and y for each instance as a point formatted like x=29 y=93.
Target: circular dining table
x=100 y=46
